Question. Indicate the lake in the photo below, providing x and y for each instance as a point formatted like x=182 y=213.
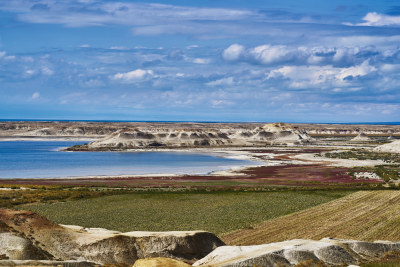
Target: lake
x=43 y=159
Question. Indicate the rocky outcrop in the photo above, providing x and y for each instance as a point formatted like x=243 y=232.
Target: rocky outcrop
x=159 y=262
x=41 y=263
x=162 y=138
x=102 y=129
x=15 y=247
x=333 y=252
x=277 y=133
x=393 y=147
x=350 y=129
x=362 y=137
x=27 y=236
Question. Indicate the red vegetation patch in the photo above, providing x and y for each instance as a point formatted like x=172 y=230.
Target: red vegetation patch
x=303 y=175
x=289 y=175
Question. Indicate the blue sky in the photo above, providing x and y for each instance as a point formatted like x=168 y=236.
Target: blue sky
x=200 y=60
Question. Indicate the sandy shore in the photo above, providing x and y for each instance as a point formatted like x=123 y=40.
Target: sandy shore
x=349 y=163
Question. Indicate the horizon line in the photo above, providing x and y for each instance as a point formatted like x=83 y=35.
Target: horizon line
x=190 y=121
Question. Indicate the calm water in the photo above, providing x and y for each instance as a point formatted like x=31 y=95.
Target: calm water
x=42 y=159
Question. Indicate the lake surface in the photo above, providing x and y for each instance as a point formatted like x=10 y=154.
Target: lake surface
x=42 y=159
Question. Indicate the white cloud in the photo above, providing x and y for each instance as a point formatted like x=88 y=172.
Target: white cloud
x=285 y=71
x=318 y=55
x=221 y=103
x=223 y=81
x=376 y=19
x=119 y=48
x=27 y=59
x=360 y=70
x=133 y=76
x=35 y=95
x=28 y=73
x=47 y=71
x=268 y=54
x=301 y=77
x=3 y=55
x=233 y=52
x=201 y=60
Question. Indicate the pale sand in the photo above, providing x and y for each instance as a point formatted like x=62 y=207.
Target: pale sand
x=338 y=162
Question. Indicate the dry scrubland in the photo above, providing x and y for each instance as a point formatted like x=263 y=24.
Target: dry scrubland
x=364 y=215
x=217 y=212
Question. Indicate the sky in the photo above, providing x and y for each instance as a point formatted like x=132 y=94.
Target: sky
x=200 y=60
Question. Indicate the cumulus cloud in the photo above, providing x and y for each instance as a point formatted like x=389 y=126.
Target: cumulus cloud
x=133 y=76
x=268 y=54
x=304 y=77
x=263 y=54
x=307 y=55
x=274 y=74
x=233 y=52
x=356 y=71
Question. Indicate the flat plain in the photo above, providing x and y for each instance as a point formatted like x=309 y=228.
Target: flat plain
x=217 y=212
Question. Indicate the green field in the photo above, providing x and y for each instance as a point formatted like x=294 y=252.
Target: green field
x=217 y=212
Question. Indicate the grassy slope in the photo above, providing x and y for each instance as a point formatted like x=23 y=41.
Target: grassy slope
x=364 y=215
x=215 y=212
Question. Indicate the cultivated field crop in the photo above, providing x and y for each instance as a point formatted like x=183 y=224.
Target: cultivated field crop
x=364 y=215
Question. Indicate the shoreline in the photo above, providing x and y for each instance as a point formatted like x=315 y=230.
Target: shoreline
x=235 y=170
x=49 y=139
x=274 y=156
